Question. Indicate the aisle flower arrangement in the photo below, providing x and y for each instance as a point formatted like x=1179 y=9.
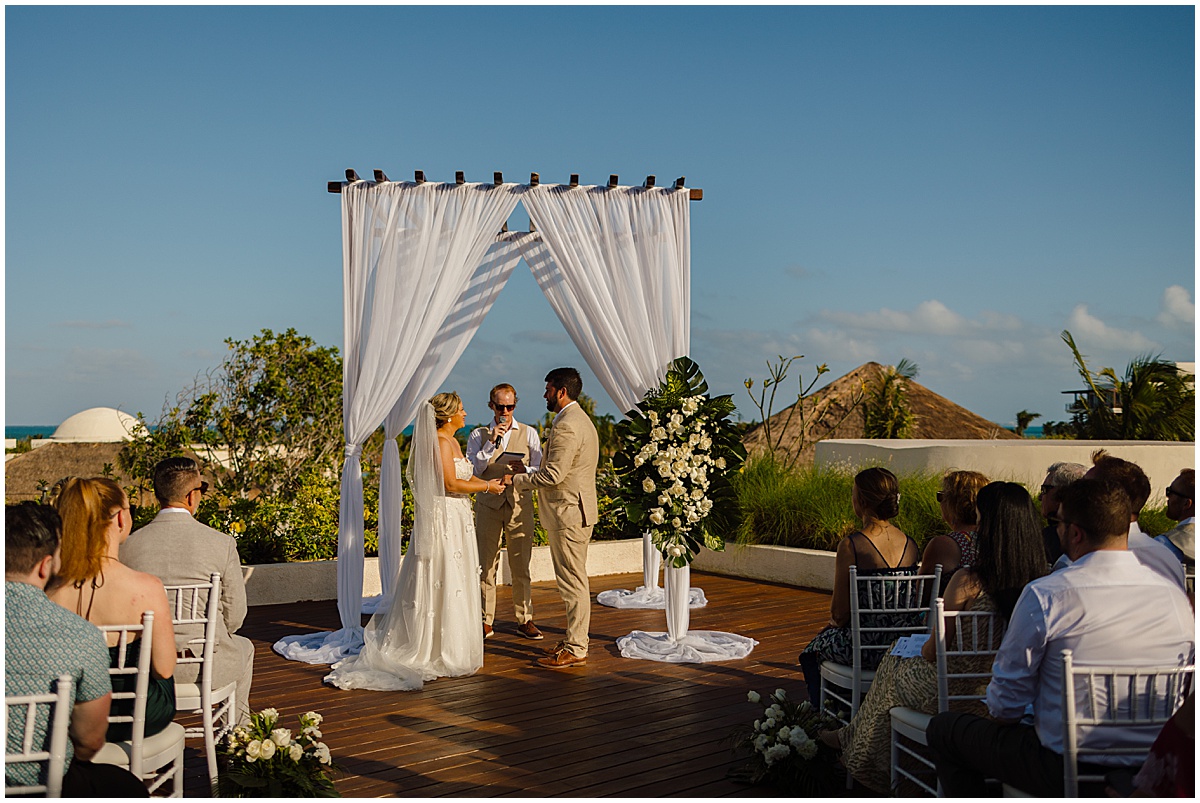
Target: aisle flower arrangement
x=265 y=760
x=678 y=448
x=783 y=748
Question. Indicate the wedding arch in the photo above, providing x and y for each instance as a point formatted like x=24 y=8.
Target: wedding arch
x=422 y=264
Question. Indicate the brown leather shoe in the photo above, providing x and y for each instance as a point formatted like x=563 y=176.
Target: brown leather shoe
x=558 y=646
x=529 y=630
x=561 y=660
x=487 y=631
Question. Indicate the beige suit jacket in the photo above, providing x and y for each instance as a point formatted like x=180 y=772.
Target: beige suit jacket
x=177 y=549
x=566 y=481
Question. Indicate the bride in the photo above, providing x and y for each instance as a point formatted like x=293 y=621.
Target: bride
x=432 y=628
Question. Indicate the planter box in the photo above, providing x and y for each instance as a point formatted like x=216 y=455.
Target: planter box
x=806 y=568
x=279 y=583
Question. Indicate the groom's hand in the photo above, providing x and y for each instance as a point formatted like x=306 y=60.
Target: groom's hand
x=507 y=480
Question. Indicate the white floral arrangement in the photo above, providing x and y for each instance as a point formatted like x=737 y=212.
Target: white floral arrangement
x=678 y=448
x=265 y=760
x=783 y=747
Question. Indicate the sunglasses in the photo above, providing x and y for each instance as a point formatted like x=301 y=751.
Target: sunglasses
x=203 y=489
x=1172 y=492
x=503 y=408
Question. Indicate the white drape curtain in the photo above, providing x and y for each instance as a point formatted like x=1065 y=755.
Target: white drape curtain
x=615 y=266
x=448 y=345
x=408 y=253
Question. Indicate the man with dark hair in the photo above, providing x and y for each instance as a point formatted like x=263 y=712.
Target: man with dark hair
x=509 y=514
x=1058 y=475
x=42 y=641
x=178 y=550
x=566 y=485
x=1181 y=507
x=1133 y=481
x=1084 y=607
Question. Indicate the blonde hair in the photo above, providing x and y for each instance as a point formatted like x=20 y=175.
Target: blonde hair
x=445 y=406
x=959 y=489
x=86 y=506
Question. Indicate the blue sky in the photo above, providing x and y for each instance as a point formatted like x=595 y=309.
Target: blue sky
x=950 y=185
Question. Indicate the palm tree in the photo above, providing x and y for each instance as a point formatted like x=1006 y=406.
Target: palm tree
x=886 y=413
x=1151 y=402
x=1024 y=419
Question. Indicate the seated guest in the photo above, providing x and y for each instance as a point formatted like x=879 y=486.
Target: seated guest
x=878 y=549
x=1059 y=475
x=1131 y=479
x=1095 y=607
x=957 y=549
x=177 y=549
x=1181 y=507
x=1010 y=555
x=41 y=642
x=95 y=585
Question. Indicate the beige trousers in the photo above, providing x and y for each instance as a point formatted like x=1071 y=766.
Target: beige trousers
x=515 y=523
x=568 y=551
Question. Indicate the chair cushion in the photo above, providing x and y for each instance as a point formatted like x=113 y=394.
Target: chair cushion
x=843 y=675
x=910 y=722
x=157 y=750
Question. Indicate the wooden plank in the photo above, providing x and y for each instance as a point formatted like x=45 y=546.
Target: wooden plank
x=615 y=727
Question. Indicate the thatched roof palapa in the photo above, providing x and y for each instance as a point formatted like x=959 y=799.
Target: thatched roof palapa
x=936 y=417
x=54 y=461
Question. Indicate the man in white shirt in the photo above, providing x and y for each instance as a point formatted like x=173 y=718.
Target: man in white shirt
x=509 y=514
x=1130 y=477
x=1085 y=607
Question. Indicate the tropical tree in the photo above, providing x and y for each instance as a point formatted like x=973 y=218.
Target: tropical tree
x=886 y=413
x=1024 y=419
x=1151 y=402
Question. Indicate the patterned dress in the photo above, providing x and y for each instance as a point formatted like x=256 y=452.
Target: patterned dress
x=910 y=682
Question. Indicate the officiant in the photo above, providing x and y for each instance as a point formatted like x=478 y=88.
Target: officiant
x=508 y=515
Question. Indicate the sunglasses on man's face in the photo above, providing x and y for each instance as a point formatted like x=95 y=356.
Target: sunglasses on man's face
x=203 y=489
x=1172 y=492
x=503 y=408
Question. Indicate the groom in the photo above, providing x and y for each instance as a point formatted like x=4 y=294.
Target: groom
x=566 y=484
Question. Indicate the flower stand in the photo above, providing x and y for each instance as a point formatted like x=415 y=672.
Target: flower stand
x=648 y=594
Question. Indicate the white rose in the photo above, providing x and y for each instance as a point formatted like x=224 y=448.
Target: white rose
x=705 y=505
x=697 y=494
x=676 y=523
x=282 y=737
x=753 y=696
x=693 y=439
x=254 y=749
x=705 y=443
x=270 y=714
x=663 y=499
x=808 y=750
x=653 y=416
x=314 y=717
x=268 y=749
x=692 y=518
x=677 y=489
x=648 y=485
x=322 y=751
x=675 y=551
x=658 y=434
x=676 y=419
x=761 y=741
x=637 y=461
x=295 y=752
x=664 y=470
x=777 y=752
x=657 y=516
x=797 y=738
x=720 y=462
x=681 y=466
x=781 y=735
x=312 y=732
x=780 y=694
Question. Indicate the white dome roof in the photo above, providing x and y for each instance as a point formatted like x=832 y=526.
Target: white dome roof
x=97 y=425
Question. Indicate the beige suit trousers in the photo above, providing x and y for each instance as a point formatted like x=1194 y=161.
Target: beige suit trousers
x=568 y=551
x=515 y=523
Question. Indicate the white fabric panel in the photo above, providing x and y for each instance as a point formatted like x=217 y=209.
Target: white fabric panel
x=648 y=595
x=408 y=253
x=676 y=582
x=451 y=340
x=615 y=267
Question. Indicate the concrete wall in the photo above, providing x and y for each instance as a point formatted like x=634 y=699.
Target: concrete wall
x=278 y=583
x=1022 y=461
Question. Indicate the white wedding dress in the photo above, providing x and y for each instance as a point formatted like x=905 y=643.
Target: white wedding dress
x=434 y=627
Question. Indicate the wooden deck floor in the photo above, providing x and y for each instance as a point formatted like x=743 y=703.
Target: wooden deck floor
x=615 y=727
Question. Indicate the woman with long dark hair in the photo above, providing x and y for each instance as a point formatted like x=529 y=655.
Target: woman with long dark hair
x=1010 y=554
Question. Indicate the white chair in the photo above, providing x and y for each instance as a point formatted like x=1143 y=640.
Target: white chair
x=157 y=758
x=903 y=595
x=889 y=595
x=198 y=604
x=58 y=720
x=1189 y=579
x=1096 y=698
x=977 y=634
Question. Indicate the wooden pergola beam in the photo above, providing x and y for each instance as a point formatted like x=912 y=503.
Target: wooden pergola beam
x=694 y=193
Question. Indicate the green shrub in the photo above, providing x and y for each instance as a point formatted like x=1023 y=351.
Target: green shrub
x=810 y=507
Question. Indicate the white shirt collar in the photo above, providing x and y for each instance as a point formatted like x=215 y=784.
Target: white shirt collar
x=175 y=510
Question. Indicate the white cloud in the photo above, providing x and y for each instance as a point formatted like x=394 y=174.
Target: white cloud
x=929 y=317
x=1091 y=332
x=1178 y=309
